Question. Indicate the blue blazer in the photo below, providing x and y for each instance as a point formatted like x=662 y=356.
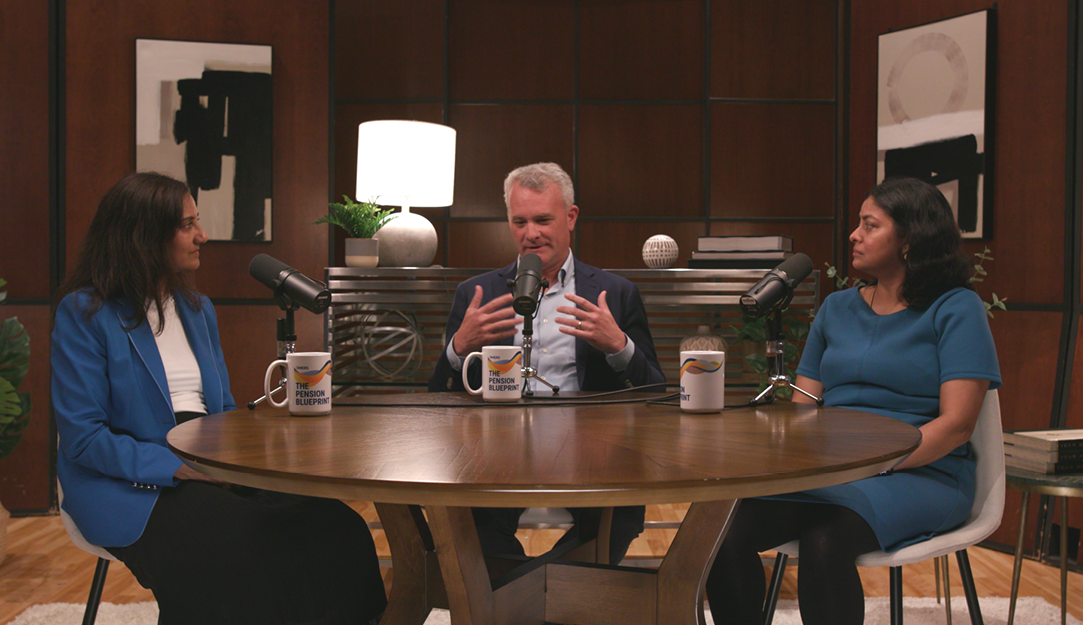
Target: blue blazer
x=593 y=371
x=113 y=411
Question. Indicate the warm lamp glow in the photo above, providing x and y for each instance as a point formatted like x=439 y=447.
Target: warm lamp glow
x=405 y=163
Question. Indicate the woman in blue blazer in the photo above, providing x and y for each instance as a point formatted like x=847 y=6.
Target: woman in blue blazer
x=135 y=351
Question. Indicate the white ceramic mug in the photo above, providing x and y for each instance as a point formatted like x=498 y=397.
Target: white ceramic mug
x=501 y=373
x=308 y=383
x=703 y=381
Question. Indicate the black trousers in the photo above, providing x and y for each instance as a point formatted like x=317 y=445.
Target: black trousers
x=218 y=555
x=497 y=526
x=828 y=586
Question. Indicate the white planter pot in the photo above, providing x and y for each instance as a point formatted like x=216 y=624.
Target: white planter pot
x=362 y=252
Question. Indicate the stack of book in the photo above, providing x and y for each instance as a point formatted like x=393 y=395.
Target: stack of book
x=751 y=252
x=1044 y=451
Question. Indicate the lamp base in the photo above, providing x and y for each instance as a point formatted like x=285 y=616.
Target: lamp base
x=408 y=240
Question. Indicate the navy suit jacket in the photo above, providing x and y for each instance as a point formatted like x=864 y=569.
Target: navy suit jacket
x=113 y=411
x=593 y=371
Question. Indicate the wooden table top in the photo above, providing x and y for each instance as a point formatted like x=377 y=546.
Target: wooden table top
x=453 y=450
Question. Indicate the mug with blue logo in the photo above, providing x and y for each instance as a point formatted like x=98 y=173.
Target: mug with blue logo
x=703 y=381
x=308 y=383
x=501 y=373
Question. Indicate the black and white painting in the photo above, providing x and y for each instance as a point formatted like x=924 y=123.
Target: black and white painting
x=935 y=114
x=203 y=115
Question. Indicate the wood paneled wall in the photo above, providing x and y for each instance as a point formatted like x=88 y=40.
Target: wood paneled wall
x=99 y=129
x=25 y=259
x=687 y=117
x=1029 y=197
x=100 y=146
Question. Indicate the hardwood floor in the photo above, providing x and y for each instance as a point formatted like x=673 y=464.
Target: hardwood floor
x=43 y=566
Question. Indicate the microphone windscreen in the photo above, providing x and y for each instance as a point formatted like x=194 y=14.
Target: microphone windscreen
x=266 y=270
x=797 y=267
x=530 y=262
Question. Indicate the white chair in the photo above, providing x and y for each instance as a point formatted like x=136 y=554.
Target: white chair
x=100 y=571
x=988 y=443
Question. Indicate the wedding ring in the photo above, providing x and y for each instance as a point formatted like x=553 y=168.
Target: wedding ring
x=580 y=326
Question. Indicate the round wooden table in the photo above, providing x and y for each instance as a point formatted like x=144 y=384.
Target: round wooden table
x=449 y=452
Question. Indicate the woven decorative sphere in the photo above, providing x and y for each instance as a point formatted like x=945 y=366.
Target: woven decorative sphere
x=660 y=251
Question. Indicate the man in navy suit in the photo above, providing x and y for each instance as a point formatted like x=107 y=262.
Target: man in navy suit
x=590 y=332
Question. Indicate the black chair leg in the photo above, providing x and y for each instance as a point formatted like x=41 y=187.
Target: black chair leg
x=96 y=588
x=773 y=590
x=969 y=588
x=896 y=595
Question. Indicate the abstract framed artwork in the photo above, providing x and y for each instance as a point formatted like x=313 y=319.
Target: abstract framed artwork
x=935 y=95
x=204 y=116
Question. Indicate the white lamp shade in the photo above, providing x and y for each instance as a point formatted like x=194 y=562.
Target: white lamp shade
x=405 y=163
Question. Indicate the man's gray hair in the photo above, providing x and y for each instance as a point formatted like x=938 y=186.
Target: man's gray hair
x=537 y=178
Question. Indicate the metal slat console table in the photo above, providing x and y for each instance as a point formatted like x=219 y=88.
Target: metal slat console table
x=385 y=326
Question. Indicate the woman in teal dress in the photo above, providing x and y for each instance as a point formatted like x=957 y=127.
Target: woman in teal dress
x=913 y=345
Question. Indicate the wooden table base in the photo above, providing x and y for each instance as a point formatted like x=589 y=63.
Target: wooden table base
x=498 y=591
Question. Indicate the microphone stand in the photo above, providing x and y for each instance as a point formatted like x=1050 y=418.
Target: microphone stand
x=286 y=342
x=776 y=343
x=528 y=344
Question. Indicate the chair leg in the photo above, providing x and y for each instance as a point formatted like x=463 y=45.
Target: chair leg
x=968 y=587
x=773 y=590
x=896 y=595
x=936 y=576
x=96 y=587
x=943 y=561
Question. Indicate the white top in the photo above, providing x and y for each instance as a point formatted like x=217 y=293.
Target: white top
x=181 y=369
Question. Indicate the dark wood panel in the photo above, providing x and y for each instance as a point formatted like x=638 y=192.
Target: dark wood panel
x=481 y=244
x=389 y=49
x=248 y=335
x=24 y=147
x=1027 y=344
x=640 y=161
x=25 y=482
x=511 y=49
x=771 y=159
x=1029 y=169
x=773 y=49
x=641 y=50
x=100 y=117
x=619 y=244
x=493 y=140
x=1075 y=389
x=811 y=238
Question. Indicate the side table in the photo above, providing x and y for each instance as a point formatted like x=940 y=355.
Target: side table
x=1063 y=486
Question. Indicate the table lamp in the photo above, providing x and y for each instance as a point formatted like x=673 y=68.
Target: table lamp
x=406 y=163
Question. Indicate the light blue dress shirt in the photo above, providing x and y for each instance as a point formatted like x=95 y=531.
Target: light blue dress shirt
x=553 y=354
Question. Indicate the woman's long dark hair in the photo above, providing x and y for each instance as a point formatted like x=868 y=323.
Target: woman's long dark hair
x=934 y=260
x=125 y=255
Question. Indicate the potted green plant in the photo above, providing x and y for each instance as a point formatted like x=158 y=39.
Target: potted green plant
x=14 y=406
x=360 y=220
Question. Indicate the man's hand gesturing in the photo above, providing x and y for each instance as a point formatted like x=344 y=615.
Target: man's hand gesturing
x=484 y=325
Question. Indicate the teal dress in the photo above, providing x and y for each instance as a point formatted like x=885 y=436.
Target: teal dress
x=894 y=365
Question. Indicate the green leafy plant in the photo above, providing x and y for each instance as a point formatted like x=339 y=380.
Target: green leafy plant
x=841 y=281
x=14 y=362
x=360 y=220
x=795 y=325
x=979 y=276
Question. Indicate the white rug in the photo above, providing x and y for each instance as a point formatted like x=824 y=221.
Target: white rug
x=926 y=611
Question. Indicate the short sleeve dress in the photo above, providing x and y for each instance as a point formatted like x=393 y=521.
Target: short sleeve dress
x=894 y=365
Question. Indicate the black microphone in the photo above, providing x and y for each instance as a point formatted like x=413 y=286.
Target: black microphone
x=290 y=284
x=527 y=285
x=775 y=290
